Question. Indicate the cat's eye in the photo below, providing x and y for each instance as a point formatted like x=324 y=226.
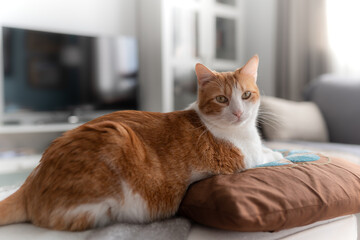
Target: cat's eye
x=246 y=95
x=221 y=99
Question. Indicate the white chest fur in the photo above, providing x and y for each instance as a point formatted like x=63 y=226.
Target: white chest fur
x=244 y=136
x=247 y=140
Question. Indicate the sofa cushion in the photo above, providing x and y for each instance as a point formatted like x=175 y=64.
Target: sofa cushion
x=277 y=197
x=289 y=120
x=338 y=99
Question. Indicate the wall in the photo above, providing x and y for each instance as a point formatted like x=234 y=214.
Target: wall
x=94 y=17
x=151 y=54
x=260 y=38
x=113 y=17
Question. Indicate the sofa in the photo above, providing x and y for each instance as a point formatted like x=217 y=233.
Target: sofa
x=328 y=122
x=328 y=119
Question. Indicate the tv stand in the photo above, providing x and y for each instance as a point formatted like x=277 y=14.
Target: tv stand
x=36 y=128
x=61 y=118
x=21 y=147
x=26 y=136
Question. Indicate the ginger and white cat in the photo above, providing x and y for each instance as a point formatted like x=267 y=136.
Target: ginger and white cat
x=134 y=166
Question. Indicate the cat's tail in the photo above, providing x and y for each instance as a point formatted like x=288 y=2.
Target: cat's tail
x=12 y=209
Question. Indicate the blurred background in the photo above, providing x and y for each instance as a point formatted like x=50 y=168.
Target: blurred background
x=64 y=62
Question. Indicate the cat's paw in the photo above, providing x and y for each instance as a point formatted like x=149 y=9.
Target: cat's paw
x=271 y=156
x=265 y=156
x=277 y=156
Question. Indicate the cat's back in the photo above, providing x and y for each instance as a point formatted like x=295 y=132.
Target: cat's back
x=137 y=131
x=151 y=120
x=148 y=125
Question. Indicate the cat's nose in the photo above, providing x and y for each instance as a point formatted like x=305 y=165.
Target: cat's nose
x=237 y=114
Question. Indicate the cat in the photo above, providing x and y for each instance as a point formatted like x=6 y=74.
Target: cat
x=133 y=166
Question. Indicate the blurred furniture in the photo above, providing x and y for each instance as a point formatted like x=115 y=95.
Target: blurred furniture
x=21 y=147
x=183 y=33
x=338 y=99
x=332 y=111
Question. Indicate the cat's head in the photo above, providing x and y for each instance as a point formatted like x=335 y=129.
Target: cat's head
x=228 y=98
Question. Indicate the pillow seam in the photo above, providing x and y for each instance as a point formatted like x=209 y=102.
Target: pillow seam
x=257 y=215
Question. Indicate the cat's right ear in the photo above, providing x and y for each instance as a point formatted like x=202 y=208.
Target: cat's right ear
x=204 y=75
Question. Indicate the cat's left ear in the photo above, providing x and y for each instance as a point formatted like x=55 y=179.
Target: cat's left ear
x=251 y=67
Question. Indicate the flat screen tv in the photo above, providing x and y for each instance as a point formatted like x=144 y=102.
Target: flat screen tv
x=53 y=73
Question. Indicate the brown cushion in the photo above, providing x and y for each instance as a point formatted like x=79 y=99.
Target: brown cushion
x=277 y=197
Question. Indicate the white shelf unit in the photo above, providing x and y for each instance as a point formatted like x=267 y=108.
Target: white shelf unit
x=45 y=128
x=30 y=141
x=19 y=164
x=174 y=36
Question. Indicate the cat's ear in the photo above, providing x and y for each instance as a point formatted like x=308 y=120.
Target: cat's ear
x=251 y=67
x=204 y=75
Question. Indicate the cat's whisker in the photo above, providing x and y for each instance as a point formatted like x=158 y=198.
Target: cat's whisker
x=266 y=111
x=267 y=114
x=271 y=119
x=267 y=117
x=202 y=134
x=272 y=124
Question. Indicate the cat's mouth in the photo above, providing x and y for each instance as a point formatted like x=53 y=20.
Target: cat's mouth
x=238 y=121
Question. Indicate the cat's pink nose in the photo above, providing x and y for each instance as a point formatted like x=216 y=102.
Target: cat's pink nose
x=237 y=114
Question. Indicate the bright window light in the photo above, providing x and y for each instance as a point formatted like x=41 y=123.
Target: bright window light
x=343 y=18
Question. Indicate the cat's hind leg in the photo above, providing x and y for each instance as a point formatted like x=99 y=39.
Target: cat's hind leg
x=63 y=222
x=128 y=207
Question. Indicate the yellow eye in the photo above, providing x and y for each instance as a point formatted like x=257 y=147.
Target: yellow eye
x=246 y=95
x=221 y=99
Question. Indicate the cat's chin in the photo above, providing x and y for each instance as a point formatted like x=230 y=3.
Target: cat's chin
x=239 y=122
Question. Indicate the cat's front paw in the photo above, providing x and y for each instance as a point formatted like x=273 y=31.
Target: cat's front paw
x=271 y=156
x=277 y=156
x=265 y=156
